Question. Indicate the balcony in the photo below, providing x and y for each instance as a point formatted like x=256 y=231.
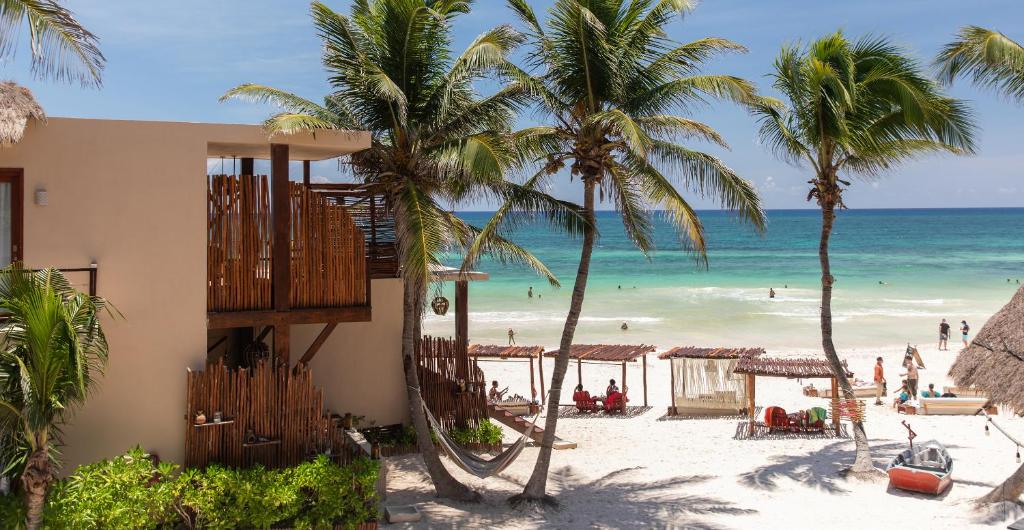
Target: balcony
x=320 y=274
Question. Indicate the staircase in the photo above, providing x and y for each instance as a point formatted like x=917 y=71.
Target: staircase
x=520 y=424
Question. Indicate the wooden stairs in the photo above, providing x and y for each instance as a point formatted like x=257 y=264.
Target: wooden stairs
x=519 y=424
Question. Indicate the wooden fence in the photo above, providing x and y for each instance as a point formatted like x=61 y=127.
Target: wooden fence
x=441 y=365
x=281 y=408
x=328 y=254
x=239 y=239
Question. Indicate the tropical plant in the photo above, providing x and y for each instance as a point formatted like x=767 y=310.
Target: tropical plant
x=52 y=347
x=61 y=48
x=606 y=77
x=989 y=58
x=435 y=141
x=855 y=108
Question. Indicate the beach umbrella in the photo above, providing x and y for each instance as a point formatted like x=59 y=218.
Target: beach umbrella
x=17 y=107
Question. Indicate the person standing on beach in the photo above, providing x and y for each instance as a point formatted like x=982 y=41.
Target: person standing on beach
x=771 y=292
x=965 y=330
x=879 y=381
x=511 y=336
x=908 y=363
x=944 y=336
x=529 y=292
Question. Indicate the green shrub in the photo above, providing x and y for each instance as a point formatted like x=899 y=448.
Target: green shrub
x=463 y=435
x=131 y=491
x=488 y=432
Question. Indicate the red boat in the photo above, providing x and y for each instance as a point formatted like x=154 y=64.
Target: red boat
x=927 y=468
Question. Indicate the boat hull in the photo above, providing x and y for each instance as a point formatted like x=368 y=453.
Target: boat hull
x=920 y=481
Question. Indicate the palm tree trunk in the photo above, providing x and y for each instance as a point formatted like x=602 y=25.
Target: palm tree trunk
x=536 y=488
x=1010 y=490
x=35 y=480
x=863 y=463
x=445 y=485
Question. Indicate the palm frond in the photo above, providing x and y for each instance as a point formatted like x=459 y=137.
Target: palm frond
x=61 y=48
x=989 y=58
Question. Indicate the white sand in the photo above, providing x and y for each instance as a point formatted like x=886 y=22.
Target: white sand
x=646 y=472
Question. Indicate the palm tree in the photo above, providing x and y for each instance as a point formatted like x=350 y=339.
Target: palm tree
x=859 y=108
x=435 y=141
x=607 y=78
x=989 y=58
x=53 y=345
x=61 y=48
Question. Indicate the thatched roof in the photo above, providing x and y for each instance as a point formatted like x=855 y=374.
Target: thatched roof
x=497 y=351
x=994 y=361
x=791 y=368
x=17 y=106
x=691 y=352
x=606 y=352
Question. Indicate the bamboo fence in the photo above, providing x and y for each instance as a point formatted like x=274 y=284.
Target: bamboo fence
x=282 y=407
x=441 y=365
x=239 y=239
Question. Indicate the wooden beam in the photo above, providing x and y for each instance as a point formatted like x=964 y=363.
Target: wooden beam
x=281 y=212
x=318 y=342
x=835 y=404
x=579 y=370
x=263 y=334
x=533 y=388
x=305 y=173
x=247 y=167
x=283 y=343
x=643 y=359
x=462 y=315
x=672 y=387
x=239 y=319
x=623 y=383
x=540 y=367
x=751 y=389
x=215 y=344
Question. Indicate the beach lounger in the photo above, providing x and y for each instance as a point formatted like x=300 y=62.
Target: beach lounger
x=951 y=406
x=775 y=418
x=616 y=401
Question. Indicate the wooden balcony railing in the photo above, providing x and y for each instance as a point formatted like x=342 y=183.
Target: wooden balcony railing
x=372 y=214
x=328 y=266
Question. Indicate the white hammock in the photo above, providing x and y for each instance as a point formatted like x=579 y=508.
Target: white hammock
x=470 y=462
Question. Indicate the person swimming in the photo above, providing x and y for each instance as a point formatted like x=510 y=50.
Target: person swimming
x=624 y=327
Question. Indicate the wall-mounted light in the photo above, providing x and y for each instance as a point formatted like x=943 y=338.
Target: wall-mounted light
x=42 y=199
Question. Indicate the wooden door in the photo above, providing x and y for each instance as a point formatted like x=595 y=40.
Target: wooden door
x=12 y=211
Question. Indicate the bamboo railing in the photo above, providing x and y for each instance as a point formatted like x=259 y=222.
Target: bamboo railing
x=281 y=407
x=328 y=254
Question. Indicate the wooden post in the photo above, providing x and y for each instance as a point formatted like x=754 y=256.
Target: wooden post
x=672 y=387
x=247 y=167
x=835 y=405
x=579 y=370
x=751 y=402
x=462 y=315
x=623 y=376
x=305 y=173
x=540 y=368
x=643 y=359
x=282 y=277
x=532 y=388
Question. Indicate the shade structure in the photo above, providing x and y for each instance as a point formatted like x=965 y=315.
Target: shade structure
x=703 y=382
x=796 y=368
x=498 y=352
x=994 y=361
x=609 y=353
x=17 y=107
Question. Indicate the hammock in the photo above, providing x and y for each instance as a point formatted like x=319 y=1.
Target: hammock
x=470 y=462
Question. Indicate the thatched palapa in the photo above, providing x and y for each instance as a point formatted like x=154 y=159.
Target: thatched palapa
x=791 y=368
x=692 y=352
x=497 y=351
x=615 y=353
x=994 y=361
x=17 y=106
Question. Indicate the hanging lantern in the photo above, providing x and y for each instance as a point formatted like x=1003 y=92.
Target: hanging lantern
x=439 y=305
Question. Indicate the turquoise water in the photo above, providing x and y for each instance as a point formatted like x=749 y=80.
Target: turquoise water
x=942 y=263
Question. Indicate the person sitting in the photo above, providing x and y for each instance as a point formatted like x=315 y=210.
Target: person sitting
x=931 y=392
x=494 y=394
x=584 y=402
x=612 y=388
x=902 y=395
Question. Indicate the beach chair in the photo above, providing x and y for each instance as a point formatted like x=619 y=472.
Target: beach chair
x=616 y=402
x=775 y=418
x=585 y=403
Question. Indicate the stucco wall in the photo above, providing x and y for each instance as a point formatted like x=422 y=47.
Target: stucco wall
x=132 y=197
x=360 y=366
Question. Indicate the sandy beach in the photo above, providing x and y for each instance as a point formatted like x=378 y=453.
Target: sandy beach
x=646 y=471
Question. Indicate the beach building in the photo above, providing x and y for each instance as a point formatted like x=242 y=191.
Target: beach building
x=202 y=269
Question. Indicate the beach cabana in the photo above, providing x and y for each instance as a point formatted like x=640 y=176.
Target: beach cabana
x=703 y=382
x=754 y=367
x=496 y=352
x=608 y=354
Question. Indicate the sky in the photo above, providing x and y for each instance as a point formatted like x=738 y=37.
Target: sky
x=173 y=60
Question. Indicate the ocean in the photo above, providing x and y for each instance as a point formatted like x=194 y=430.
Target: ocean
x=898 y=272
